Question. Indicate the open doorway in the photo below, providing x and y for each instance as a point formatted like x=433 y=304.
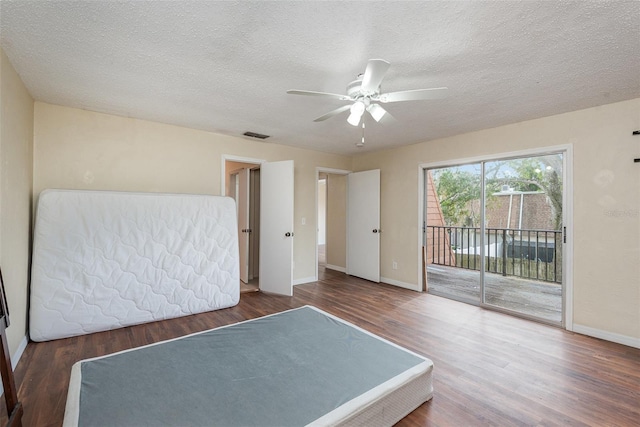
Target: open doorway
x=272 y=227
x=243 y=185
x=331 y=200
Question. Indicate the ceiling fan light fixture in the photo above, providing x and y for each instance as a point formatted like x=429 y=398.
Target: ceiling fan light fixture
x=357 y=110
x=354 y=119
x=376 y=111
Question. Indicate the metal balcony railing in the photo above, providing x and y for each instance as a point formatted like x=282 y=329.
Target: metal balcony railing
x=530 y=254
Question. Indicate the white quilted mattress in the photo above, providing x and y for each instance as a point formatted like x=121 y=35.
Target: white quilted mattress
x=103 y=260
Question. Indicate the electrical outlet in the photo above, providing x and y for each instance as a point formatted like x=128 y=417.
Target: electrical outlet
x=395 y=265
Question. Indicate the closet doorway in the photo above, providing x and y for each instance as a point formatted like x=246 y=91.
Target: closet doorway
x=243 y=185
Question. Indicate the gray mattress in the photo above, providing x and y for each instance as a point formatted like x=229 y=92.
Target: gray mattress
x=295 y=368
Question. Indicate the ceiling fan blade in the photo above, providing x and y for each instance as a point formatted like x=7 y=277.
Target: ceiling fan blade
x=373 y=75
x=414 y=95
x=323 y=94
x=333 y=113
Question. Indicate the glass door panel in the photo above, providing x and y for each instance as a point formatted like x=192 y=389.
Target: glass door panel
x=523 y=233
x=452 y=238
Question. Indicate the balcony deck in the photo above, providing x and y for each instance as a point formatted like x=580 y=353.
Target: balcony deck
x=539 y=299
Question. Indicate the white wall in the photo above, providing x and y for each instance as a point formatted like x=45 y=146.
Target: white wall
x=77 y=149
x=606 y=220
x=16 y=159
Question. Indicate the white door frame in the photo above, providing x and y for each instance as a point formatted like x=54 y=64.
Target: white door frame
x=223 y=175
x=223 y=168
x=320 y=170
x=567 y=210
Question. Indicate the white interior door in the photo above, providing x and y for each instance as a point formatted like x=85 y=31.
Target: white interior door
x=243 y=222
x=363 y=225
x=276 y=227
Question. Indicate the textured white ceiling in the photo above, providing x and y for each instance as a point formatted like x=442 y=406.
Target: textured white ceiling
x=225 y=66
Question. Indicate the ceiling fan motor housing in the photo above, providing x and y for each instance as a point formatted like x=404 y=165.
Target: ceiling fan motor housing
x=354 y=88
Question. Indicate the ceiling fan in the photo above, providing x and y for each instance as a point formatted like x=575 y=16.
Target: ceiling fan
x=364 y=94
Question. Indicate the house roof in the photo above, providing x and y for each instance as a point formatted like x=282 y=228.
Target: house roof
x=225 y=67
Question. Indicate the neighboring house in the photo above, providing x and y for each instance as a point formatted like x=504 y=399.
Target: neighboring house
x=530 y=210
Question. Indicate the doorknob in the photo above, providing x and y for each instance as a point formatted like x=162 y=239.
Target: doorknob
x=288 y=234
x=377 y=230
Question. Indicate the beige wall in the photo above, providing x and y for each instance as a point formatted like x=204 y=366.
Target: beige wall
x=77 y=149
x=606 y=196
x=337 y=221
x=80 y=149
x=16 y=157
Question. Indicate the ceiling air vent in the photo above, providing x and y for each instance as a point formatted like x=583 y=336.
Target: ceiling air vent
x=255 y=135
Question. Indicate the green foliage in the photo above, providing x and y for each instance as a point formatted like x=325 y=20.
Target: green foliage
x=542 y=173
x=529 y=174
x=459 y=193
x=456 y=190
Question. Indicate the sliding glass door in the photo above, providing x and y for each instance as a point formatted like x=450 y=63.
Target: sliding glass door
x=493 y=234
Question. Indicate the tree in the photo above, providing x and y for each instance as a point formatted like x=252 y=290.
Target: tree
x=542 y=173
x=458 y=188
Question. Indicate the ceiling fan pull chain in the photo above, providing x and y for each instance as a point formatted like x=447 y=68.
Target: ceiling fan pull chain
x=361 y=143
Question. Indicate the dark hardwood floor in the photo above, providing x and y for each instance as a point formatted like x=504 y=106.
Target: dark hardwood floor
x=489 y=368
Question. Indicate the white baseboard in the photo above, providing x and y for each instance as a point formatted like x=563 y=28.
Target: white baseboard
x=336 y=268
x=304 y=280
x=18 y=354
x=400 y=284
x=609 y=336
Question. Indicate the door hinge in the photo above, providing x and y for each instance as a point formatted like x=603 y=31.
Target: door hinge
x=564 y=234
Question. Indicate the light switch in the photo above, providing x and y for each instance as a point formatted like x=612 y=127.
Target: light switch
x=304 y=220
